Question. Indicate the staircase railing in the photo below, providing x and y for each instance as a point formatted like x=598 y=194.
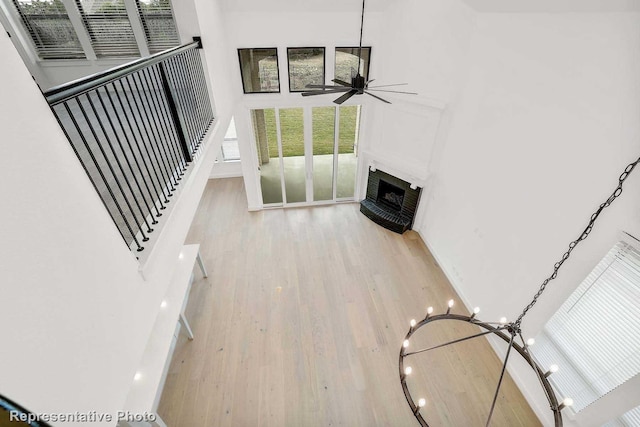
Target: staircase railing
x=136 y=129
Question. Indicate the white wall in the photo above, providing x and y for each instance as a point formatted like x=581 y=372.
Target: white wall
x=76 y=312
x=547 y=121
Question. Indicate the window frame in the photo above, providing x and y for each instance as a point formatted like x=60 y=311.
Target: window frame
x=76 y=15
x=244 y=88
x=368 y=64
x=324 y=66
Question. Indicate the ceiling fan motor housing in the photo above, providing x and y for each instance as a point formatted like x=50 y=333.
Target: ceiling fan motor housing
x=358 y=82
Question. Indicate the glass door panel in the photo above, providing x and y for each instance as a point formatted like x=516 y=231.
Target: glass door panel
x=349 y=119
x=323 y=124
x=265 y=131
x=293 y=157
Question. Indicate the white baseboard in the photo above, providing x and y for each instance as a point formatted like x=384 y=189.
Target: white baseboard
x=448 y=275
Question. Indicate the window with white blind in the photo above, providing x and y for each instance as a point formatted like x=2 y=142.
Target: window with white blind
x=230 y=149
x=109 y=28
x=48 y=25
x=594 y=337
x=628 y=419
x=105 y=25
x=158 y=23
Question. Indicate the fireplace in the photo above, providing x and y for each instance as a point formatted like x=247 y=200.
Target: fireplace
x=390 y=201
x=390 y=195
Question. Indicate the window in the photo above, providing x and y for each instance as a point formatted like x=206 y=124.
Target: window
x=306 y=66
x=109 y=28
x=347 y=63
x=628 y=419
x=49 y=27
x=230 y=149
x=259 y=68
x=158 y=24
x=103 y=24
x=594 y=337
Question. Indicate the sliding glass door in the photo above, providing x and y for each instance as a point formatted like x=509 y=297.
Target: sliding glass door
x=306 y=155
x=293 y=154
x=323 y=141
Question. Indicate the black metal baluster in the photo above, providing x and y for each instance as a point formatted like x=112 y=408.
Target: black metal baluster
x=126 y=157
x=176 y=119
x=156 y=142
x=161 y=105
x=109 y=166
x=182 y=103
x=116 y=157
x=136 y=140
x=203 y=97
x=178 y=163
x=203 y=82
x=147 y=128
x=195 y=84
x=170 y=180
x=178 y=75
x=106 y=183
x=149 y=132
x=173 y=160
x=161 y=97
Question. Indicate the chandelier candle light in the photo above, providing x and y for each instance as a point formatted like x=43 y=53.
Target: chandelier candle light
x=510 y=332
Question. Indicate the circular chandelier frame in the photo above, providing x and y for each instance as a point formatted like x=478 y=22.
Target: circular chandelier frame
x=507 y=331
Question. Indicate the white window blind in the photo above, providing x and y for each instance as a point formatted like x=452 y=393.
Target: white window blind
x=158 y=23
x=48 y=25
x=595 y=336
x=628 y=419
x=109 y=28
x=230 y=149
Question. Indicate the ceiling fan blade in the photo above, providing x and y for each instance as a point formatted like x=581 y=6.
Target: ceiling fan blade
x=341 y=82
x=324 y=92
x=370 y=81
x=345 y=96
x=311 y=86
x=397 y=84
x=392 y=91
x=370 y=94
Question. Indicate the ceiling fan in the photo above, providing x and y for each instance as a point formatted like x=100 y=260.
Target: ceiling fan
x=358 y=84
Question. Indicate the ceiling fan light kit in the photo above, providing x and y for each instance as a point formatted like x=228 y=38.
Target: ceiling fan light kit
x=358 y=85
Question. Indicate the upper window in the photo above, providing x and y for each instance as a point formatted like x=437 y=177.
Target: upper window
x=109 y=28
x=50 y=29
x=104 y=24
x=259 y=68
x=306 y=67
x=158 y=23
x=347 y=63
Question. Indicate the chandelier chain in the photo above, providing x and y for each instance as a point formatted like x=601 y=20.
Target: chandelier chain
x=582 y=237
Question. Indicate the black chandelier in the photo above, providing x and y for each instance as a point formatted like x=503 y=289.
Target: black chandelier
x=509 y=332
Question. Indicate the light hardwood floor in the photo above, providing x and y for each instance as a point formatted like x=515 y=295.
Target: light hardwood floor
x=301 y=320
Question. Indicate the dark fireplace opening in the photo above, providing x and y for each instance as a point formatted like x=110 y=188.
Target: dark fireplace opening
x=390 y=195
x=390 y=201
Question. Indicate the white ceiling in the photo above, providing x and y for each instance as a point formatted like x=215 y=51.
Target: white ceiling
x=305 y=5
x=522 y=6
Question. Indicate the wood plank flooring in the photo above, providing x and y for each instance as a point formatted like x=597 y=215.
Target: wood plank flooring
x=301 y=320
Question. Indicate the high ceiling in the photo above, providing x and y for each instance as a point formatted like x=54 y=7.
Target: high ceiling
x=305 y=5
x=522 y=6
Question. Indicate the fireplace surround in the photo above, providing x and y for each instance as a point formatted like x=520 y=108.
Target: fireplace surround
x=390 y=201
